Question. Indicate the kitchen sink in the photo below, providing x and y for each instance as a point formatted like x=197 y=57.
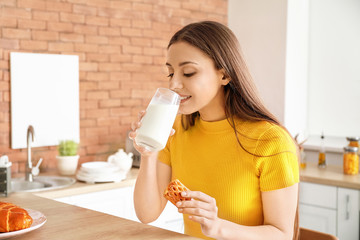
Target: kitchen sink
x=40 y=183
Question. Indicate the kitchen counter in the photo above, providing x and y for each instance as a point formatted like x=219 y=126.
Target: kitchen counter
x=65 y=221
x=331 y=175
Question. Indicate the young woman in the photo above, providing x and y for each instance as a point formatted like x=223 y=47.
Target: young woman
x=238 y=161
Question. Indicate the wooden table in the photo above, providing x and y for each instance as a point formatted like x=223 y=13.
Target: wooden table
x=70 y=222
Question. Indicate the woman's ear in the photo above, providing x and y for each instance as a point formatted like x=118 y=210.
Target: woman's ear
x=225 y=79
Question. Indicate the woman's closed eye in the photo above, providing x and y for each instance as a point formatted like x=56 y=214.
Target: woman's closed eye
x=189 y=74
x=170 y=75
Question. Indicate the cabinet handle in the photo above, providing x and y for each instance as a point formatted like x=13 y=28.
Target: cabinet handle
x=347 y=215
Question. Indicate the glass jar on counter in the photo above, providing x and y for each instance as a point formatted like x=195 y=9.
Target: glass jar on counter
x=353 y=141
x=351 y=160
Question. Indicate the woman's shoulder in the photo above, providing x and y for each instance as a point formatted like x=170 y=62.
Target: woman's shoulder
x=268 y=134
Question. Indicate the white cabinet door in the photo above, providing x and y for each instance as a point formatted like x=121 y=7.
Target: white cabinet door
x=119 y=202
x=348 y=214
x=317 y=218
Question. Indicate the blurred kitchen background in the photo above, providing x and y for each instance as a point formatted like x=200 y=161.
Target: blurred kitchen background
x=303 y=54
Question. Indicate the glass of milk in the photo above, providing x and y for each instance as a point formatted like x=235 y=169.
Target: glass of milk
x=158 y=120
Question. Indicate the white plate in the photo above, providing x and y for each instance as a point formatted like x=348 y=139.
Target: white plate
x=39 y=219
x=100 y=178
x=99 y=167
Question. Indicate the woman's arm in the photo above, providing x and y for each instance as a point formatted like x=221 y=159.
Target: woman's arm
x=279 y=207
x=150 y=184
x=152 y=180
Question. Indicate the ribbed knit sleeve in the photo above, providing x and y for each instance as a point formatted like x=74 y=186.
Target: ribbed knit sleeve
x=276 y=162
x=164 y=155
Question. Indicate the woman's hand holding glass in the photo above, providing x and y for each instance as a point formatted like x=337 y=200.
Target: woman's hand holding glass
x=201 y=209
x=136 y=125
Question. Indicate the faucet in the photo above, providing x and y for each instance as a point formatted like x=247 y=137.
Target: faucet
x=28 y=168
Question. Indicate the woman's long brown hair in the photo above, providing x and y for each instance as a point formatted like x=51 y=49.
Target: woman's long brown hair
x=241 y=99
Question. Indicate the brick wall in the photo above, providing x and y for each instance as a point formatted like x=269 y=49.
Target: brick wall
x=121 y=45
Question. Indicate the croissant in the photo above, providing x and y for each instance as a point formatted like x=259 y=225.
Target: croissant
x=13 y=218
x=173 y=191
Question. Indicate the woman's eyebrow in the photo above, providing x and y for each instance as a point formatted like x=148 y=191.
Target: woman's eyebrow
x=182 y=63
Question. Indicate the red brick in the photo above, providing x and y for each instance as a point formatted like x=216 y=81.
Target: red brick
x=33 y=45
x=70 y=17
x=16 y=33
x=97 y=76
x=4 y=86
x=109 y=49
x=96 y=131
x=88 y=85
x=103 y=67
x=120 y=76
x=120 y=93
x=96 y=113
x=88 y=66
x=10 y=3
x=60 y=27
x=16 y=13
x=154 y=51
x=96 y=57
x=84 y=29
x=142 y=7
x=71 y=37
x=108 y=85
x=96 y=39
x=109 y=31
x=4 y=64
x=47 y=16
x=120 y=111
x=45 y=35
x=58 y=6
x=115 y=22
x=119 y=40
x=132 y=32
x=7 y=22
x=142 y=59
x=121 y=5
x=172 y=3
x=132 y=49
x=120 y=58
x=96 y=149
x=141 y=24
x=33 y=4
x=86 y=47
x=145 y=42
x=32 y=24
x=110 y=103
x=98 y=21
x=87 y=123
x=60 y=47
x=86 y=10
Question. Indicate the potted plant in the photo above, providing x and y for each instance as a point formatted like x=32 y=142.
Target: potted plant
x=67 y=160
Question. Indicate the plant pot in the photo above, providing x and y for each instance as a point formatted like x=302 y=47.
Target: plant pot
x=67 y=165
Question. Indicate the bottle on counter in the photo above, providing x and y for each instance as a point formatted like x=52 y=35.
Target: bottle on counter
x=353 y=141
x=351 y=160
x=322 y=155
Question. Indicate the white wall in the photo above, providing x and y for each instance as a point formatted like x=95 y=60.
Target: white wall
x=306 y=65
x=260 y=27
x=334 y=67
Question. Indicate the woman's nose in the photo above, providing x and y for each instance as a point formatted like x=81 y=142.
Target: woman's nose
x=175 y=83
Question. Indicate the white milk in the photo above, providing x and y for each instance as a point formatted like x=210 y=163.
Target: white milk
x=156 y=126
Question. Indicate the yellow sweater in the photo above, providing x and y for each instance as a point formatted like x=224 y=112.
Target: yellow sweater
x=208 y=158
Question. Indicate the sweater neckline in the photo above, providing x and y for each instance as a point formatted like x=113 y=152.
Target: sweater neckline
x=215 y=126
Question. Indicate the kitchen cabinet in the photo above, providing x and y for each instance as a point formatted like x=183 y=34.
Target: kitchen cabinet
x=330 y=209
x=119 y=202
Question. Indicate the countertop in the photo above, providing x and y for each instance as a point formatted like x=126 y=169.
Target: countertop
x=65 y=221
x=331 y=175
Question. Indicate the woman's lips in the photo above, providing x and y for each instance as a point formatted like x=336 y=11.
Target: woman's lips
x=184 y=98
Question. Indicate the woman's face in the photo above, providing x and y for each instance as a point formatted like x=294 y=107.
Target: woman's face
x=193 y=75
